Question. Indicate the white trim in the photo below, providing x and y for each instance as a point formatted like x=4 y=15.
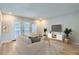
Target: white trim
x=75 y=43
x=6 y=41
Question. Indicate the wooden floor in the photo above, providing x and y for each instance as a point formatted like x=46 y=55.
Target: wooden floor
x=10 y=49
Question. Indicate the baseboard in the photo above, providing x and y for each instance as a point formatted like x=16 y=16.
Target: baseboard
x=6 y=41
x=75 y=43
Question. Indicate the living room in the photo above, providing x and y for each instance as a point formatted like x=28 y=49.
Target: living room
x=31 y=19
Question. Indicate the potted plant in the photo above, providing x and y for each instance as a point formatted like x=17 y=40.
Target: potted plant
x=67 y=33
x=45 y=30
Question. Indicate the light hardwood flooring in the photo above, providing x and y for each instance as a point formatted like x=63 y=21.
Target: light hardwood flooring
x=9 y=48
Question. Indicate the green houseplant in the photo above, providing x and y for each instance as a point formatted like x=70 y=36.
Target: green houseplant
x=67 y=32
x=45 y=30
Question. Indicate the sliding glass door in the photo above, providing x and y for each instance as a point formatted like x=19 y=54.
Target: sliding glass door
x=24 y=28
x=17 y=29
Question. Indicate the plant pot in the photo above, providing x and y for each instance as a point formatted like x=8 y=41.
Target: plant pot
x=66 y=40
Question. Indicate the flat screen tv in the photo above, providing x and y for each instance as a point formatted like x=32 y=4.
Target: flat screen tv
x=56 y=28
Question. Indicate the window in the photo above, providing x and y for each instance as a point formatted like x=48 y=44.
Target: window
x=34 y=28
x=17 y=29
x=26 y=28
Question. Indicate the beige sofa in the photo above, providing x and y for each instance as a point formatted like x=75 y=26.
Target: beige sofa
x=25 y=47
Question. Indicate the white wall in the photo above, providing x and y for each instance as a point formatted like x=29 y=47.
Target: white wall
x=0 y=25
x=68 y=20
x=0 y=29
x=8 y=21
x=41 y=24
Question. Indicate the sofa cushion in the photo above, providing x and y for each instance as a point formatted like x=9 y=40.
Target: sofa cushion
x=35 y=39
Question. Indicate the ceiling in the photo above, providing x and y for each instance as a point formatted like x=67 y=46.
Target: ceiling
x=41 y=10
